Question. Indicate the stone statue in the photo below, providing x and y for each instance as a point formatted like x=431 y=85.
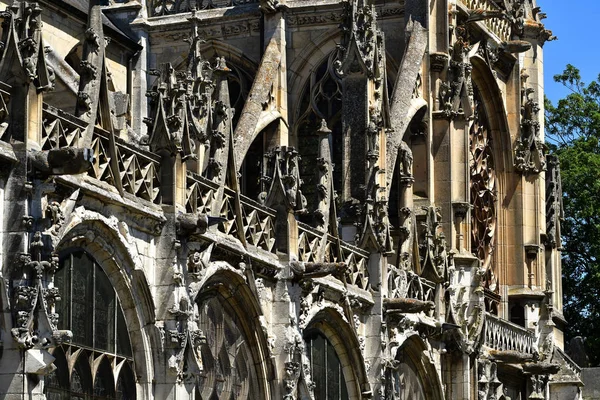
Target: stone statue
x=406 y=160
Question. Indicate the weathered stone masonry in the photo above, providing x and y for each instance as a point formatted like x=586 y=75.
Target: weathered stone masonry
x=287 y=199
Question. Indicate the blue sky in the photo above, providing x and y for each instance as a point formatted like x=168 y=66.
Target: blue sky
x=576 y=24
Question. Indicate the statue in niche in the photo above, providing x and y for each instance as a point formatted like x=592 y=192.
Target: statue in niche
x=406 y=160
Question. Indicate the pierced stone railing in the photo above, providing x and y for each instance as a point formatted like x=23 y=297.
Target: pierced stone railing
x=158 y=8
x=309 y=250
x=309 y=245
x=357 y=261
x=569 y=363
x=420 y=288
x=60 y=129
x=499 y=26
x=138 y=170
x=259 y=224
x=200 y=194
x=504 y=335
x=257 y=221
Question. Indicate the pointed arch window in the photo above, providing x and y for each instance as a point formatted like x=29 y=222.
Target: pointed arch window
x=325 y=367
x=90 y=308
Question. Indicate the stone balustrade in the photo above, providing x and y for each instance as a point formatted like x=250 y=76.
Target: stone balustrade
x=310 y=250
x=503 y=335
x=420 y=288
x=500 y=27
x=135 y=170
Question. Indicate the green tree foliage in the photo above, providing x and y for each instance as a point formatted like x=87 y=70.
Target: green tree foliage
x=573 y=132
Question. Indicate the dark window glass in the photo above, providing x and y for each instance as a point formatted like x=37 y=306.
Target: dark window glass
x=125 y=384
x=104 y=382
x=104 y=312
x=326 y=369
x=90 y=308
x=228 y=366
x=82 y=299
x=517 y=315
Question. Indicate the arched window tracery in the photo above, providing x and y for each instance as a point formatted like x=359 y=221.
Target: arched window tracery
x=406 y=382
x=228 y=363
x=90 y=308
x=483 y=187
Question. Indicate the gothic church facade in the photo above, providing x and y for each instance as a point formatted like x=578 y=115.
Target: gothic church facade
x=278 y=199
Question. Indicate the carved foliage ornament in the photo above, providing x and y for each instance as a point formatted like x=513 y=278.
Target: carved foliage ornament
x=22 y=42
x=529 y=148
x=283 y=171
x=483 y=192
x=34 y=298
x=434 y=257
x=455 y=94
x=554 y=204
x=363 y=42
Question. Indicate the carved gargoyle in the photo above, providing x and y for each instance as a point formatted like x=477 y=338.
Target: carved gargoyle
x=62 y=161
x=304 y=270
x=188 y=224
x=407 y=306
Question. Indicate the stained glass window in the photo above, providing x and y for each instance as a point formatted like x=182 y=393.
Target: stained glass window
x=406 y=381
x=326 y=369
x=90 y=308
x=228 y=366
x=321 y=99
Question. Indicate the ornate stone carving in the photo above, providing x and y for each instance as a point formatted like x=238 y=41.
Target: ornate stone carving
x=554 y=204
x=489 y=386
x=34 y=298
x=529 y=148
x=455 y=93
x=23 y=43
x=285 y=179
x=483 y=193
x=406 y=161
x=432 y=246
x=168 y=7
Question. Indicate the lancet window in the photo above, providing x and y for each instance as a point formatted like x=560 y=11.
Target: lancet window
x=483 y=184
x=228 y=365
x=326 y=368
x=98 y=363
